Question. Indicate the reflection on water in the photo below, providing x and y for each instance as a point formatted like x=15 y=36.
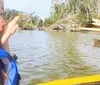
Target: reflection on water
x=96 y=42
x=47 y=56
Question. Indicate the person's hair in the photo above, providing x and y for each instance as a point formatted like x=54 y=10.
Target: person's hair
x=1 y=7
x=3 y=76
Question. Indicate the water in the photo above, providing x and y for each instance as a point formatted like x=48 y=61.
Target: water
x=47 y=56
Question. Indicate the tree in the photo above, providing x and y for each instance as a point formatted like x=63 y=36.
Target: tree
x=40 y=23
x=26 y=20
x=83 y=11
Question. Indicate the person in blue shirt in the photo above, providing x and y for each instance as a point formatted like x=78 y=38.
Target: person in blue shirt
x=8 y=68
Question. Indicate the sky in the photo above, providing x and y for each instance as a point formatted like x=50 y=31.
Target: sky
x=40 y=7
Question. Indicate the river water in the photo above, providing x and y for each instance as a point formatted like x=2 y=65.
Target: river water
x=46 y=56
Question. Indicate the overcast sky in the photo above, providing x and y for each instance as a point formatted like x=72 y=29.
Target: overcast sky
x=40 y=7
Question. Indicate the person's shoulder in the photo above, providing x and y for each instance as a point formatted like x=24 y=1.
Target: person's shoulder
x=3 y=53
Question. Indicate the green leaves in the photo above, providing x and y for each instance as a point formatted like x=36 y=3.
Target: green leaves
x=84 y=11
x=40 y=23
x=26 y=20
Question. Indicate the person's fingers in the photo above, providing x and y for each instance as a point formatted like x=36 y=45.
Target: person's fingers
x=12 y=24
x=14 y=21
x=15 y=28
x=18 y=28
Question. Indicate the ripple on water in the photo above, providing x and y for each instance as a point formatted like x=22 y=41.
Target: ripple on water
x=47 y=56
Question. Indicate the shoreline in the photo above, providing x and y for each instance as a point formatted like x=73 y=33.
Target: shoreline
x=89 y=29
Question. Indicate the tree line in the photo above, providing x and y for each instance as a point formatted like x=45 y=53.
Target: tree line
x=30 y=21
x=79 y=12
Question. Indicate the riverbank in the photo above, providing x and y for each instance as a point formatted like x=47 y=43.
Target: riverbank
x=96 y=22
x=95 y=26
x=89 y=29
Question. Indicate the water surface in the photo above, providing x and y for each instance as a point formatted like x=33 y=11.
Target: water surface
x=47 y=56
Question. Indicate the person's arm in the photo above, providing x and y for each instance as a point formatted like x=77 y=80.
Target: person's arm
x=10 y=29
x=5 y=46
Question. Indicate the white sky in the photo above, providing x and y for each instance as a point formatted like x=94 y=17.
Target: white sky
x=40 y=7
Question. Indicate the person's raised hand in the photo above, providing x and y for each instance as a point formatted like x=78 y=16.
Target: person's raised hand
x=12 y=26
x=10 y=29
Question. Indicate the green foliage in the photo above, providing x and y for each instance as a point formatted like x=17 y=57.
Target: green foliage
x=84 y=10
x=48 y=22
x=40 y=23
x=26 y=20
x=10 y=14
x=59 y=11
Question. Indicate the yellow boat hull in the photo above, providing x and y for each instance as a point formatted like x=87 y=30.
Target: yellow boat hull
x=74 y=81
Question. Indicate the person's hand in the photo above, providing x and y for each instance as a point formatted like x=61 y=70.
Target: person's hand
x=9 y=29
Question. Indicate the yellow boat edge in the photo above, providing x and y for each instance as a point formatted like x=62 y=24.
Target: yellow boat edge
x=73 y=81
